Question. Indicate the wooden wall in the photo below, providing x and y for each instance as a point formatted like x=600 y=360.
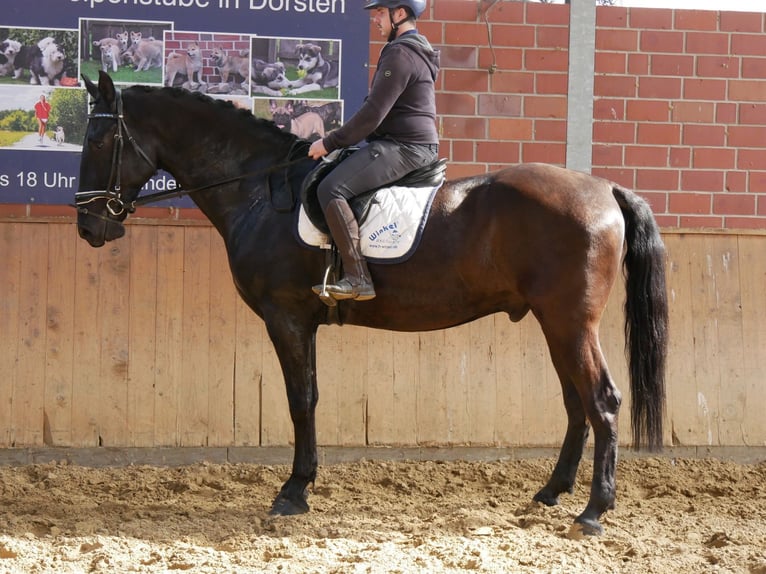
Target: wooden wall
x=145 y=343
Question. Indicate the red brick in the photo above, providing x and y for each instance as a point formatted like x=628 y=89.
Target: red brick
x=610 y=63
x=545 y=107
x=510 y=35
x=459 y=10
x=466 y=80
x=707 y=43
x=748 y=45
x=611 y=17
x=638 y=64
x=553 y=83
x=726 y=113
x=659 y=87
x=608 y=109
x=434 y=31
x=734 y=204
x=616 y=40
x=661 y=41
x=461 y=170
x=471 y=34
x=554 y=153
x=504 y=11
x=459 y=57
x=698 y=203
x=713 y=158
x=657 y=201
x=462 y=150
x=747 y=90
x=512 y=82
x=506 y=59
x=757 y=184
x=503 y=129
x=650 y=18
x=607 y=155
x=502 y=152
x=752 y=113
x=699 y=89
x=667 y=221
x=547 y=13
x=547 y=60
x=750 y=159
x=738 y=22
x=680 y=157
x=717 y=67
x=700 y=180
x=624 y=177
x=550 y=130
x=614 y=86
x=754 y=68
x=614 y=132
x=736 y=181
x=747 y=136
x=658 y=134
x=648 y=110
x=552 y=37
x=646 y=156
x=456 y=104
x=704 y=135
x=499 y=105
x=707 y=222
x=672 y=65
x=685 y=112
x=470 y=127
x=657 y=179
x=743 y=223
x=695 y=20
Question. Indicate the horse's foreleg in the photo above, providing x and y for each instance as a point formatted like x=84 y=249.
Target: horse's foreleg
x=565 y=472
x=296 y=349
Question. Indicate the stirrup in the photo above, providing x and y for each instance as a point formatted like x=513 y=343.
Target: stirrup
x=321 y=290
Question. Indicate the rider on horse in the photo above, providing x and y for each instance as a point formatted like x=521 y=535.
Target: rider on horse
x=398 y=120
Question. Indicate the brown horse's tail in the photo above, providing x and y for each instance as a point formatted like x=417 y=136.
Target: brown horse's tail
x=646 y=318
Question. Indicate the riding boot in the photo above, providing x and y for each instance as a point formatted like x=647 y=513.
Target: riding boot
x=356 y=282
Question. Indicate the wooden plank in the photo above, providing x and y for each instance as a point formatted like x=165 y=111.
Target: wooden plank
x=405 y=386
x=509 y=419
x=454 y=386
x=30 y=384
x=169 y=334
x=752 y=273
x=10 y=280
x=87 y=347
x=223 y=323
x=59 y=355
x=143 y=335
x=682 y=400
x=330 y=362
x=193 y=394
x=276 y=426
x=728 y=324
x=482 y=377
x=431 y=393
x=114 y=299
x=380 y=389
x=248 y=372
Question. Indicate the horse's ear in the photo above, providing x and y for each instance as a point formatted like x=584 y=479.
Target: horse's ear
x=106 y=87
x=90 y=86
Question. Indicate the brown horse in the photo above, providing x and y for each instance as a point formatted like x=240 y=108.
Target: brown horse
x=527 y=238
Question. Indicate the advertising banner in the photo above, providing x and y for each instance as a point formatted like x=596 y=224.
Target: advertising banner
x=301 y=63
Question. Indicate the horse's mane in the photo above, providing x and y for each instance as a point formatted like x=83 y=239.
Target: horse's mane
x=244 y=117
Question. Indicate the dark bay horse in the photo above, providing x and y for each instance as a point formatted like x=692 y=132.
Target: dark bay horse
x=531 y=237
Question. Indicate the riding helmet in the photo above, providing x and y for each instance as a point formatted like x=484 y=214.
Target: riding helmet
x=416 y=6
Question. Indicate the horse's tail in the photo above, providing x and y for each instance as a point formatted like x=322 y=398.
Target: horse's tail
x=646 y=318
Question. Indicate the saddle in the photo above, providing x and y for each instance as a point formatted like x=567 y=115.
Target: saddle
x=428 y=176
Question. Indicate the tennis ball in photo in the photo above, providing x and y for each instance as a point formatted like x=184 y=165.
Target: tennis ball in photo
x=301 y=73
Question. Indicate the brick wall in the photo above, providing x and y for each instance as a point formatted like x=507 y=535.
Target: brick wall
x=679 y=101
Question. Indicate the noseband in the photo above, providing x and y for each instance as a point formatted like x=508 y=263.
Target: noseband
x=113 y=192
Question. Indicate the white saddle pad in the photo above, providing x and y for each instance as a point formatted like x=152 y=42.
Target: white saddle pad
x=392 y=229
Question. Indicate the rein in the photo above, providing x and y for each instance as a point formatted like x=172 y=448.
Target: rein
x=116 y=205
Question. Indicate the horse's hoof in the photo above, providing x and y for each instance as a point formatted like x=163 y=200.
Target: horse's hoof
x=283 y=506
x=580 y=530
x=546 y=498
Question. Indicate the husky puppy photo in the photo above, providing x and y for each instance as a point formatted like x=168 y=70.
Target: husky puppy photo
x=314 y=71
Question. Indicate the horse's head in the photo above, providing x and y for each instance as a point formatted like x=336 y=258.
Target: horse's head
x=111 y=172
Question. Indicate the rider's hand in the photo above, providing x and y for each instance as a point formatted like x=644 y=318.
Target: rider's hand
x=317 y=150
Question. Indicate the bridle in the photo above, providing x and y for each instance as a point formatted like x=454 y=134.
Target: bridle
x=118 y=206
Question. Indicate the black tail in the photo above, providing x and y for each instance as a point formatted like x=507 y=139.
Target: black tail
x=646 y=318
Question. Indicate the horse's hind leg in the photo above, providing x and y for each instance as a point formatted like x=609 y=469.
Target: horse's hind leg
x=296 y=348
x=585 y=380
